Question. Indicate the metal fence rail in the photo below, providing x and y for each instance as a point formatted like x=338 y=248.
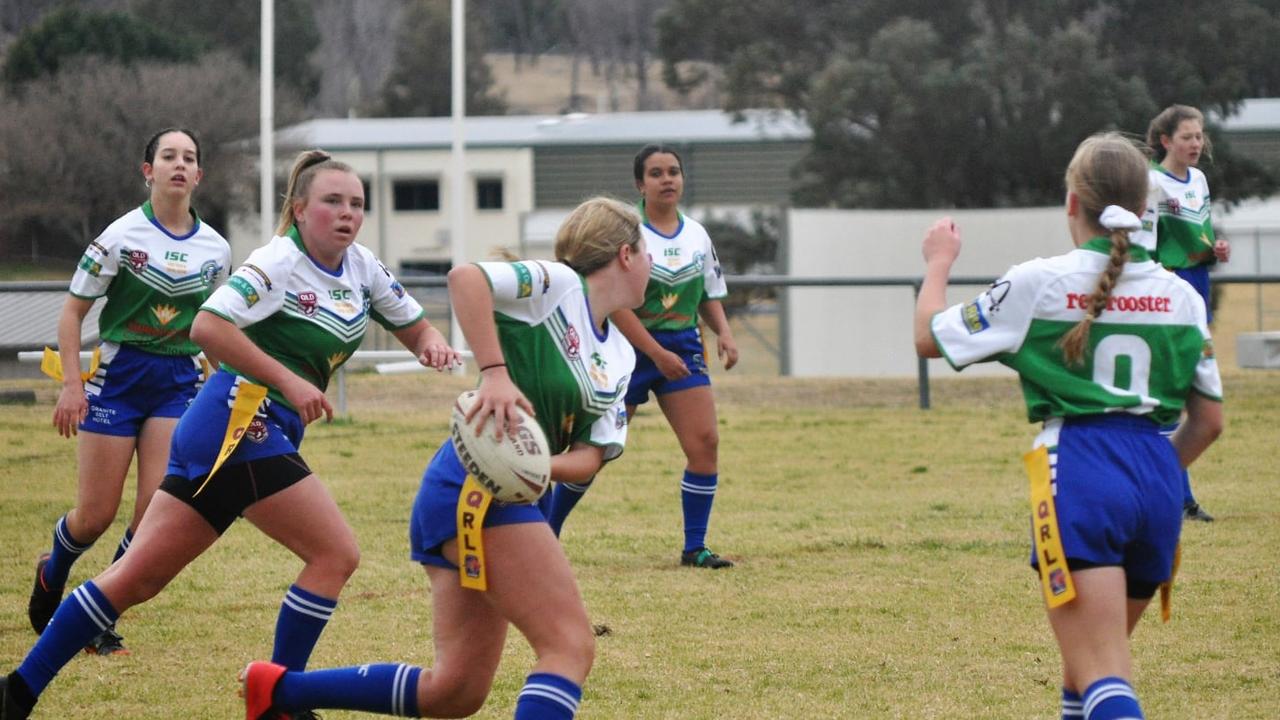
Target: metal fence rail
x=734 y=282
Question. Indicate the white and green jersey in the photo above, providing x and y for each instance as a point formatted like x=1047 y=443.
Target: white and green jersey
x=154 y=281
x=575 y=378
x=306 y=316
x=685 y=272
x=1176 y=222
x=1146 y=351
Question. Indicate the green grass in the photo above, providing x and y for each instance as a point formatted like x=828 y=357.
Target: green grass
x=881 y=571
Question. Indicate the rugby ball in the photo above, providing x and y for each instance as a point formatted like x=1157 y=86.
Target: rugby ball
x=515 y=469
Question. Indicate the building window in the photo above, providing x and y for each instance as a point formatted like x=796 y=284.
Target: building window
x=368 y=195
x=416 y=194
x=489 y=194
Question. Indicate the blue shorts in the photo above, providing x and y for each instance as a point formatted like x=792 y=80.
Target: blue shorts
x=685 y=343
x=1198 y=276
x=435 y=510
x=132 y=385
x=277 y=430
x=1118 y=496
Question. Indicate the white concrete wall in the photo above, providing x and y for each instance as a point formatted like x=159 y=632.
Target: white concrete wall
x=400 y=236
x=867 y=332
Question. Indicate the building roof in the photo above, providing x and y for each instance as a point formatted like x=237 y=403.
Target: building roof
x=1254 y=115
x=29 y=320
x=675 y=127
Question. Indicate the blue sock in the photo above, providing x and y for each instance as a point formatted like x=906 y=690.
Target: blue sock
x=390 y=689
x=303 y=616
x=66 y=551
x=566 y=497
x=548 y=697
x=1072 y=705
x=124 y=544
x=1111 y=698
x=696 y=495
x=81 y=616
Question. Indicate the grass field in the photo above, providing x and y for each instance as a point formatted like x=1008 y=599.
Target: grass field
x=881 y=565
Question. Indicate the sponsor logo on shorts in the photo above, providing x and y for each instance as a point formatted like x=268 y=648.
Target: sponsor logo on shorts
x=246 y=290
x=621 y=421
x=307 y=302
x=572 y=343
x=257 y=431
x=524 y=280
x=974 y=320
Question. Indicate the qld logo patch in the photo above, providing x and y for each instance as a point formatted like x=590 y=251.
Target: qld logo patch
x=307 y=303
x=974 y=320
x=137 y=259
x=572 y=343
x=257 y=431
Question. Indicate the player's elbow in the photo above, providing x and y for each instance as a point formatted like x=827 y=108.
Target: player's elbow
x=926 y=346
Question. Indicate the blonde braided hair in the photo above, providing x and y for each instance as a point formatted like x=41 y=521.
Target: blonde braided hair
x=1107 y=170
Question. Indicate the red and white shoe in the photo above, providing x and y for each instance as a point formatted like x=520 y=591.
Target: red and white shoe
x=257 y=684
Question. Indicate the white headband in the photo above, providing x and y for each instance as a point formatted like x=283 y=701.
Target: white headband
x=1115 y=217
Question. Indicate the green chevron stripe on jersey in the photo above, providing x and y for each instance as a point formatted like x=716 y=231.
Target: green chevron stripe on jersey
x=539 y=369
x=345 y=330
x=593 y=400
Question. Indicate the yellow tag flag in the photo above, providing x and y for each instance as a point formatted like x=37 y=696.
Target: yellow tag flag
x=248 y=397
x=1055 y=577
x=473 y=503
x=1166 y=587
x=51 y=364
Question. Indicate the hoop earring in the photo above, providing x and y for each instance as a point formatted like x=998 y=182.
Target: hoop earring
x=147 y=183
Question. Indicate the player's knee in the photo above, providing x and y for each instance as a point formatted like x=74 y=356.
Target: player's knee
x=445 y=694
x=339 y=562
x=574 y=648
x=93 y=523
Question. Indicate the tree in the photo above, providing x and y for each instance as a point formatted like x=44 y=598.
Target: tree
x=235 y=25
x=71 y=147
x=68 y=33
x=975 y=103
x=420 y=84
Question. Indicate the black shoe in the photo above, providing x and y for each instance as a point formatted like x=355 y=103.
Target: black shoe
x=1193 y=511
x=44 y=600
x=10 y=707
x=704 y=558
x=306 y=715
x=107 y=642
